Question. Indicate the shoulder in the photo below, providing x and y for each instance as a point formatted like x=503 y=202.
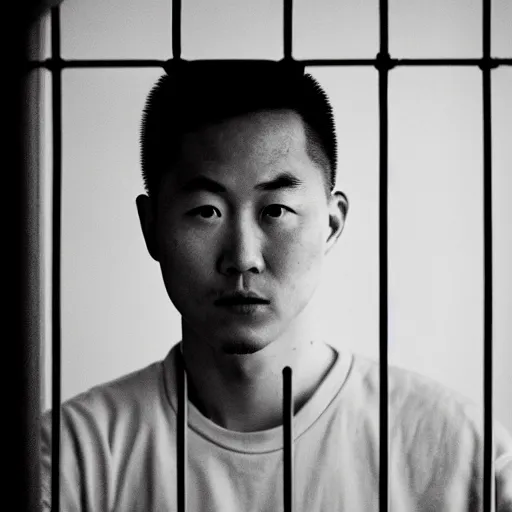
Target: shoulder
x=408 y=392
x=428 y=420
x=422 y=408
x=132 y=396
x=436 y=435
x=99 y=431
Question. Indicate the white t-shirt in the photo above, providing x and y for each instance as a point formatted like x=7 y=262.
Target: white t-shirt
x=118 y=450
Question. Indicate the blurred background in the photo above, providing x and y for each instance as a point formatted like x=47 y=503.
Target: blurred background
x=116 y=316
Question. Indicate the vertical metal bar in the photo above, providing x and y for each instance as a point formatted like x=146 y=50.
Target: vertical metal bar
x=488 y=274
x=288 y=484
x=288 y=28
x=176 y=29
x=56 y=247
x=181 y=438
x=383 y=66
x=288 y=440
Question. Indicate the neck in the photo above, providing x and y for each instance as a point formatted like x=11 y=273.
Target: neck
x=244 y=392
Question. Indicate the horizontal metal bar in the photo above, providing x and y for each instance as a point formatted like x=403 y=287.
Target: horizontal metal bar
x=156 y=63
x=52 y=64
x=493 y=62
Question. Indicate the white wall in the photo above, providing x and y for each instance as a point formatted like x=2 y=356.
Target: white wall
x=116 y=316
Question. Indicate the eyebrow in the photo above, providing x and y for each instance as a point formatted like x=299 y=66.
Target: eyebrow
x=284 y=180
x=200 y=183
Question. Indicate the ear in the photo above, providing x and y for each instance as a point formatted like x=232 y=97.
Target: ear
x=338 y=208
x=148 y=223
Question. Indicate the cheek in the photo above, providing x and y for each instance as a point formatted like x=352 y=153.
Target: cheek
x=299 y=253
x=184 y=259
x=179 y=247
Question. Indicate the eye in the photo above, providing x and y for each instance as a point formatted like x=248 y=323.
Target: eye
x=275 y=211
x=205 y=212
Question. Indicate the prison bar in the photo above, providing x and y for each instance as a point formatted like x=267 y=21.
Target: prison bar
x=383 y=63
x=287 y=408
x=182 y=387
x=176 y=29
x=182 y=434
x=488 y=477
x=288 y=487
x=159 y=63
x=288 y=29
x=383 y=67
x=56 y=255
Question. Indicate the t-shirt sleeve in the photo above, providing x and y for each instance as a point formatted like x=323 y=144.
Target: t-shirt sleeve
x=84 y=461
x=503 y=468
x=70 y=478
x=442 y=435
x=46 y=468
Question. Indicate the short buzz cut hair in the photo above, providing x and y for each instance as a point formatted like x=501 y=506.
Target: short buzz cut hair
x=193 y=95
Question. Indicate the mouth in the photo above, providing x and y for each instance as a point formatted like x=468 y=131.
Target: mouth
x=247 y=304
x=245 y=309
x=241 y=299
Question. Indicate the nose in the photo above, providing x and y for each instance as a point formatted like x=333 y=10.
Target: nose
x=242 y=250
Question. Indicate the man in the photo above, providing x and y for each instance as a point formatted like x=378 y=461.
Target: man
x=239 y=165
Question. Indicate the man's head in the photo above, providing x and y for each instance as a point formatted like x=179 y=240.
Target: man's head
x=239 y=170
x=201 y=94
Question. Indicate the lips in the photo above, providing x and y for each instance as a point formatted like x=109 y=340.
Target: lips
x=240 y=298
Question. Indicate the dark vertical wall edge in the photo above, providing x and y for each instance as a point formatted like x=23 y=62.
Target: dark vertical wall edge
x=22 y=288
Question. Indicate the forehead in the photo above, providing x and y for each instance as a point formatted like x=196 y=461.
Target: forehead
x=248 y=148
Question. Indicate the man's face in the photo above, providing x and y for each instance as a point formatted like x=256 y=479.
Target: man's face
x=243 y=211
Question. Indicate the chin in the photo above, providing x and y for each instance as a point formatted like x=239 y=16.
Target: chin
x=239 y=339
x=240 y=347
